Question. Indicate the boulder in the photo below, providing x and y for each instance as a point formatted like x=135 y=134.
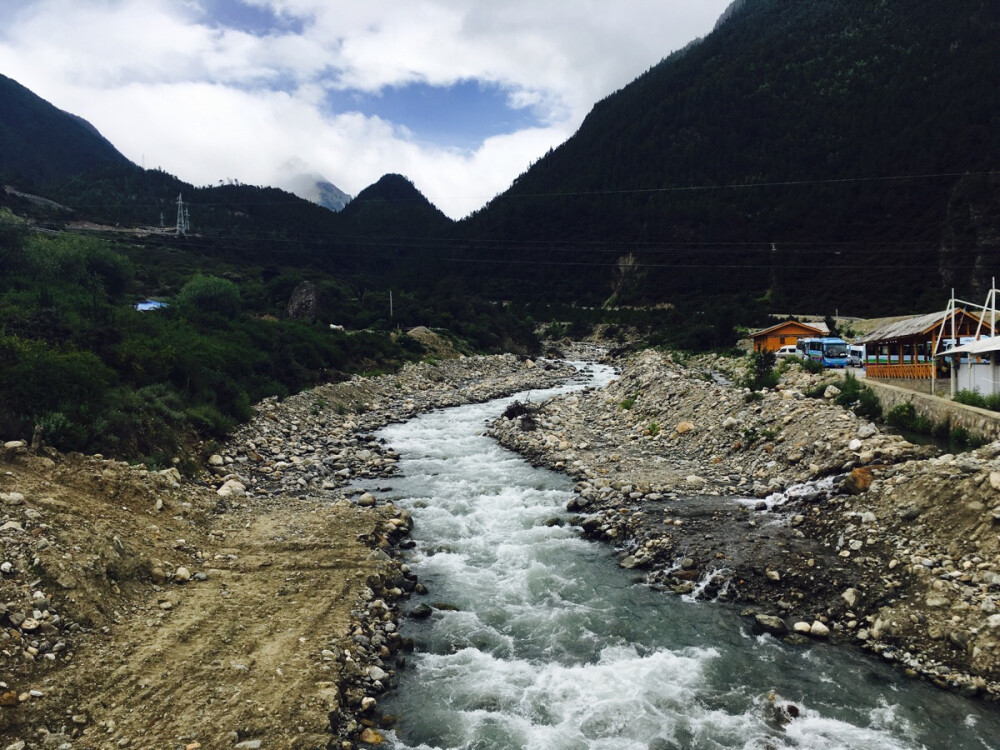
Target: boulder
x=818 y=630
x=770 y=624
x=858 y=481
x=304 y=303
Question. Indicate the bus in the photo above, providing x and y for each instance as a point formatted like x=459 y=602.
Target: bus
x=829 y=351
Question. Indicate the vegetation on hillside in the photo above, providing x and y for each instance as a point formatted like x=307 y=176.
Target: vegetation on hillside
x=78 y=359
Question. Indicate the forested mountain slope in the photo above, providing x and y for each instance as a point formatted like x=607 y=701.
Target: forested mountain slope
x=39 y=142
x=829 y=151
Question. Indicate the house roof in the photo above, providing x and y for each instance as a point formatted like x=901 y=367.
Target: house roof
x=772 y=329
x=977 y=347
x=907 y=327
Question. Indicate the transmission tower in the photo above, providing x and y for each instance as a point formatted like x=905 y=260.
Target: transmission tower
x=181 y=229
x=183 y=217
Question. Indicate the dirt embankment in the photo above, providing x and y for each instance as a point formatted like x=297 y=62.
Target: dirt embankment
x=253 y=607
x=821 y=522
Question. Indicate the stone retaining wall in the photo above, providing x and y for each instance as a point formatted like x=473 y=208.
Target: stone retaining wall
x=942 y=386
x=975 y=420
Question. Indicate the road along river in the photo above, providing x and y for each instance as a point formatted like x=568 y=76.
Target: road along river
x=544 y=642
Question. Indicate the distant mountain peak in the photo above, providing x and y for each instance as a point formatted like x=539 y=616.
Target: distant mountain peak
x=393 y=204
x=297 y=178
x=393 y=187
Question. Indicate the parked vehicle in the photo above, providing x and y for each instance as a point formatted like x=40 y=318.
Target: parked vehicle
x=786 y=351
x=828 y=351
x=856 y=355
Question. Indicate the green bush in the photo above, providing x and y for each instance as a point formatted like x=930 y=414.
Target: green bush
x=209 y=295
x=808 y=364
x=904 y=417
x=974 y=398
x=970 y=398
x=861 y=400
x=962 y=439
x=760 y=372
x=868 y=405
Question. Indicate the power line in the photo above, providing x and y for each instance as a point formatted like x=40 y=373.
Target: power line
x=581 y=193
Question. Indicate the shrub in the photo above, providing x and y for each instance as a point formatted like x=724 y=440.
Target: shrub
x=760 y=371
x=209 y=295
x=868 y=405
x=210 y=420
x=861 y=400
x=808 y=364
x=970 y=398
x=517 y=409
x=904 y=417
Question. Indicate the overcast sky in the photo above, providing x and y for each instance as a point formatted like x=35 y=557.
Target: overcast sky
x=461 y=96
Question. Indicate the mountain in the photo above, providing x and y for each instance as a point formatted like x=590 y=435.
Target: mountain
x=814 y=151
x=809 y=154
x=316 y=188
x=40 y=143
x=393 y=207
x=296 y=177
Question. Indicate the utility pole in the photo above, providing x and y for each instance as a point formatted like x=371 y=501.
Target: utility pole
x=390 y=304
x=181 y=217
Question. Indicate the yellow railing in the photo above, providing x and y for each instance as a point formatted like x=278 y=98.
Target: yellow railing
x=921 y=371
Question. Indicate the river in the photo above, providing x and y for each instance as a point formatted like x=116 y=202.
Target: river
x=544 y=642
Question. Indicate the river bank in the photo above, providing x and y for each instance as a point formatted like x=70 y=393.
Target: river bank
x=255 y=606
x=823 y=525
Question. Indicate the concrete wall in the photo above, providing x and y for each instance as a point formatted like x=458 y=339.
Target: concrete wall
x=941 y=387
x=977 y=421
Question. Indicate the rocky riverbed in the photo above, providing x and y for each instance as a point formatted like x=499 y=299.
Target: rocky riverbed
x=821 y=523
x=253 y=605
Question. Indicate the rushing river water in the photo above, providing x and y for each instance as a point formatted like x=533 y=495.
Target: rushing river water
x=548 y=644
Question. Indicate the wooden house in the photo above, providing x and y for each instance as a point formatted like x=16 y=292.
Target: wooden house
x=907 y=348
x=773 y=338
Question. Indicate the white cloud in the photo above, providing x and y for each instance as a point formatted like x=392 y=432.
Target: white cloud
x=161 y=81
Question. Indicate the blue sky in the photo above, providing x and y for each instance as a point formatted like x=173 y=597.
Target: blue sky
x=253 y=19
x=458 y=95
x=460 y=115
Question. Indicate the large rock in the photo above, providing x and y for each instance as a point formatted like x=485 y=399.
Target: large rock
x=770 y=624
x=304 y=303
x=819 y=630
x=858 y=481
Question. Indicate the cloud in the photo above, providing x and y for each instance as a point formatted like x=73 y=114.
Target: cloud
x=171 y=82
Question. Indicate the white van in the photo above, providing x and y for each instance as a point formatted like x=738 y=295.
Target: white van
x=786 y=351
x=856 y=355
